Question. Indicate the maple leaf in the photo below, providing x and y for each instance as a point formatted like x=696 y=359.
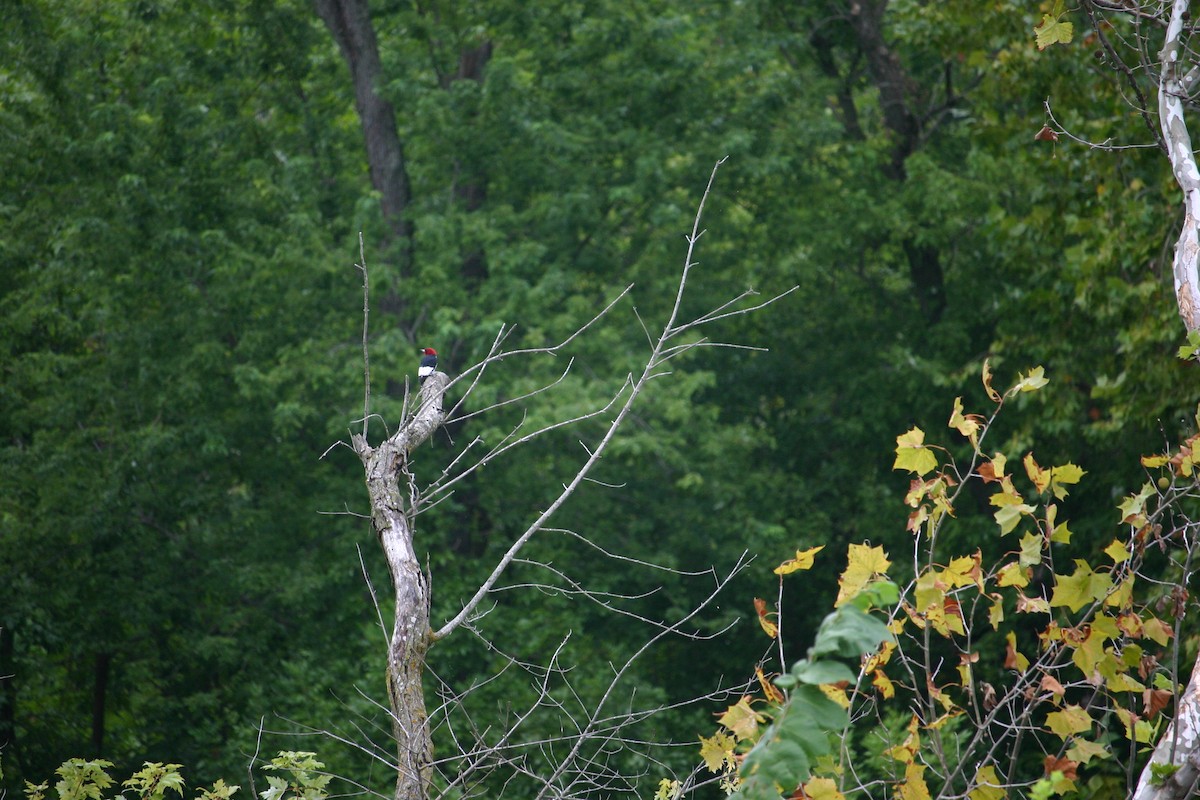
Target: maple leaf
x=1035 y=380
x=1051 y=684
x=993 y=471
x=1068 y=722
x=764 y=618
x=864 y=564
x=1012 y=574
x=906 y=751
x=822 y=789
x=1046 y=134
x=987 y=785
x=1012 y=657
x=1063 y=765
x=803 y=560
x=769 y=689
x=914 y=787
x=884 y=685
x=987 y=382
x=1009 y=516
x=742 y=720
x=717 y=752
x=912 y=454
x=968 y=425
x=1117 y=552
x=1077 y=590
x=1032 y=605
x=1084 y=751
x=1053 y=31
x=1031 y=549
x=1155 y=700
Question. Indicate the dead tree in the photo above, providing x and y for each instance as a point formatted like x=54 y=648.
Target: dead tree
x=397 y=497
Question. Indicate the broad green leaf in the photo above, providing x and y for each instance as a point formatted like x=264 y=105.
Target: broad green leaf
x=1031 y=549
x=1053 y=30
x=819 y=672
x=987 y=785
x=1083 y=587
x=912 y=454
x=1117 y=552
x=849 y=632
x=1084 y=751
x=1068 y=722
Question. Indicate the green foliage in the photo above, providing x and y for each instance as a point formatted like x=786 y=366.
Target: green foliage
x=307 y=781
x=154 y=780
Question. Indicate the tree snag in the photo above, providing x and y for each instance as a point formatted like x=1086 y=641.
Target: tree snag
x=391 y=518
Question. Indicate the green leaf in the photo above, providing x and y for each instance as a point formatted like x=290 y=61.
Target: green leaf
x=1053 y=31
x=912 y=454
x=789 y=748
x=849 y=632
x=818 y=672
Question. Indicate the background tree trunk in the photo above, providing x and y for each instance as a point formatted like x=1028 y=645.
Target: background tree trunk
x=350 y=23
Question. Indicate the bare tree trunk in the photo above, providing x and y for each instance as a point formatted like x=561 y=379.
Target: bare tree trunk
x=1177 y=80
x=388 y=483
x=350 y=23
x=1179 y=746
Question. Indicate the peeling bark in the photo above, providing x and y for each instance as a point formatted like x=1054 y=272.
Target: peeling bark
x=390 y=491
x=1174 y=86
x=1180 y=746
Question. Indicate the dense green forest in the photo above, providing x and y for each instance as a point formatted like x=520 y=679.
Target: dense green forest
x=186 y=574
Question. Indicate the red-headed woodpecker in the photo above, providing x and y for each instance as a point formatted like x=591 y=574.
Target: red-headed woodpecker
x=428 y=364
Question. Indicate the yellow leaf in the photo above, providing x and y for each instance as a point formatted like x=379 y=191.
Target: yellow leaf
x=1013 y=658
x=668 y=789
x=1150 y=462
x=942 y=720
x=987 y=785
x=717 y=752
x=1117 y=552
x=1053 y=31
x=987 y=382
x=1061 y=534
x=1035 y=380
x=906 y=751
x=1031 y=549
x=803 y=560
x=742 y=720
x=912 y=454
x=884 y=685
x=1010 y=515
x=1068 y=722
x=1077 y=590
x=764 y=618
x=914 y=787
x=1084 y=751
x=964 y=571
x=1039 y=477
x=1157 y=631
x=770 y=690
x=996 y=613
x=864 y=564
x=822 y=789
x=967 y=425
x=1121 y=682
x=1012 y=574
x=835 y=693
x=1137 y=730
x=1061 y=477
